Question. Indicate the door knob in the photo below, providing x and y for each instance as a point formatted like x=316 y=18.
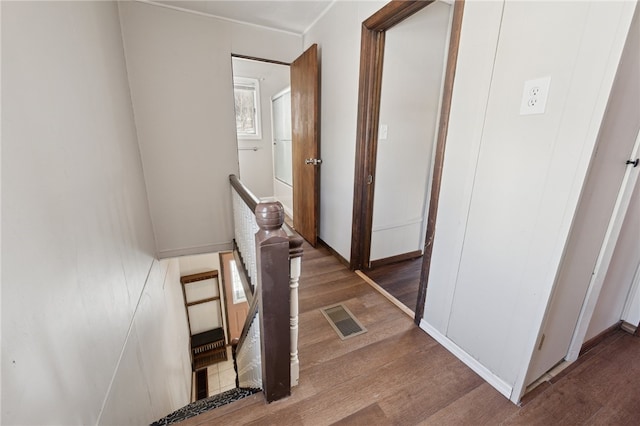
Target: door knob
x=634 y=162
x=314 y=161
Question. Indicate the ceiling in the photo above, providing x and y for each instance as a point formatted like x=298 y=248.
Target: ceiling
x=292 y=16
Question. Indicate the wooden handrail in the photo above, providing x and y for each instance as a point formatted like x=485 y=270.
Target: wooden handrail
x=253 y=310
x=245 y=193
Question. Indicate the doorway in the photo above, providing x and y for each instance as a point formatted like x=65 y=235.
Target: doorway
x=255 y=84
x=407 y=134
x=371 y=131
x=259 y=171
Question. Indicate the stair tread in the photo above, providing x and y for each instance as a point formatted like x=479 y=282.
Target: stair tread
x=206 y=404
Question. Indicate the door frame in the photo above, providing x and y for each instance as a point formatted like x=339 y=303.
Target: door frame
x=371 y=63
x=268 y=61
x=225 y=258
x=312 y=237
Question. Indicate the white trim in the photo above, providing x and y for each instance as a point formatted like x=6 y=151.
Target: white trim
x=604 y=257
x=395 y=225
x=222 y=18
x=281 y=93
x=315 y=21
x=248 y=83
x=500 y=385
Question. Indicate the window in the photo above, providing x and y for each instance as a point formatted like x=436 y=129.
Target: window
x=238 y=290
x=247 y=102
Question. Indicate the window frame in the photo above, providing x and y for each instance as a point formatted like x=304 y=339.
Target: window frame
x=248 y=83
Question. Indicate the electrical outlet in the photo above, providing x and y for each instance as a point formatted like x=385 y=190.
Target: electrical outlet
x=534 y=96
x=383 y=132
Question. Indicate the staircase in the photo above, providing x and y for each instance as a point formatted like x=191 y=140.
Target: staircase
x=268 y=254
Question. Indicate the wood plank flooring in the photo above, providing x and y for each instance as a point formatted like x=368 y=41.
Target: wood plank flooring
x=395 y=374
x=400 y=279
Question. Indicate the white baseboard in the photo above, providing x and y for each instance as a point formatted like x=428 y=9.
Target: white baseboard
x=495 y=381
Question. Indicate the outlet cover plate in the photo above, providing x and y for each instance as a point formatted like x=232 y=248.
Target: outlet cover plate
x=534 y=96
x=383 y=132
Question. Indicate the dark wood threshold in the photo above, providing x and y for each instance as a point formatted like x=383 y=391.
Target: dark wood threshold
x=337 y=255
x=395 y=259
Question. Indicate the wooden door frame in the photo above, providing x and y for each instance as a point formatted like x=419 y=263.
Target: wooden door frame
x=371 y=63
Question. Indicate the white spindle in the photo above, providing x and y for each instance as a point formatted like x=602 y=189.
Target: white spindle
x=294 y=276
x=249 y=359
x=246 y=228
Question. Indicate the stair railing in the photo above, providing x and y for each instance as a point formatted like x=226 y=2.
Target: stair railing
x=267 y=352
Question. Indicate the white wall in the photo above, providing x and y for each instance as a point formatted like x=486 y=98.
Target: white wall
x=411 y=90
x=179 y=67
x=256 y=167
x=511 y=183
x=154 y=374
x=338 y=36
x=202 y=263
x=89 y=330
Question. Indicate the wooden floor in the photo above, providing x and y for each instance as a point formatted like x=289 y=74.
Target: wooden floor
x=400 y=280
x=395 y=374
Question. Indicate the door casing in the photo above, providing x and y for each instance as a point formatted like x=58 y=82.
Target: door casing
x=371 y=64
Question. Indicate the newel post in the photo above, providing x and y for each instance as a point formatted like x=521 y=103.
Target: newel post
x=272 y=252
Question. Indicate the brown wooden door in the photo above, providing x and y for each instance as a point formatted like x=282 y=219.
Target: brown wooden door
x=305 y=129
x=236 y=310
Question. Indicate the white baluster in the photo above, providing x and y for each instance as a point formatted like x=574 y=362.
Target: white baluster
x=249 y=359
x=295 y=267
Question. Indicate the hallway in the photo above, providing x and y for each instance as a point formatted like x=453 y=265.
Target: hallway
x=396 y=374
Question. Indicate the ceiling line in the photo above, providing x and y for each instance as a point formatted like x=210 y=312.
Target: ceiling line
x=222 y=18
